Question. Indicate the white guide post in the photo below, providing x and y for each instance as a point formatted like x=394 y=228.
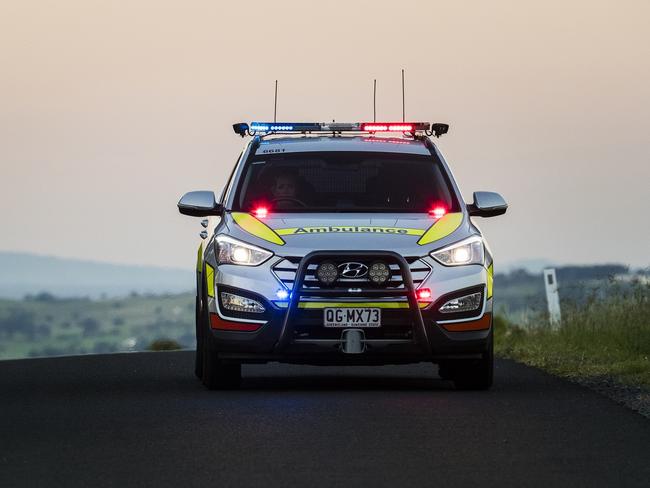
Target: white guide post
x=552 y=297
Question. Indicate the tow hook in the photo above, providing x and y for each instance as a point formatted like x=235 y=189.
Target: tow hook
x=353 y=341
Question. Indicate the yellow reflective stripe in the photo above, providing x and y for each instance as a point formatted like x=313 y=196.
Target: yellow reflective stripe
x=490 y=280
x=442 y=228
x=259 y=229
x=358 y=304
x=349 y=229
x=209 y=279
x=199 y=257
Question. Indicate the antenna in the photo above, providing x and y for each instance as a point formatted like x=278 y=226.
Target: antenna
x=275 y=103
x=374 y=102
x=403 y=109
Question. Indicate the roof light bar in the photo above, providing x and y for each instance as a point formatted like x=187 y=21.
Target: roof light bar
x=244 y=129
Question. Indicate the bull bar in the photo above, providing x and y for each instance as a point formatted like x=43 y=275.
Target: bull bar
x=419 y=329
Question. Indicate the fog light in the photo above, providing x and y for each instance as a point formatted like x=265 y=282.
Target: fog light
x=379 y=273
x=238 y=303
x=327 y=273
x=462 y=304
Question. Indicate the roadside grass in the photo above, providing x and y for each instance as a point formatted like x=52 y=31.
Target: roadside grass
x=599 y=337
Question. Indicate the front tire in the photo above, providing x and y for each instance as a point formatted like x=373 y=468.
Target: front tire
x=198 y=357
x=215 y=373
x=472 y=374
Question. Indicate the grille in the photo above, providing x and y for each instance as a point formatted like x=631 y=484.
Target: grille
x=285 y=270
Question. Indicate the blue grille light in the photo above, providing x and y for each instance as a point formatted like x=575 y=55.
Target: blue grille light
x=282 y=294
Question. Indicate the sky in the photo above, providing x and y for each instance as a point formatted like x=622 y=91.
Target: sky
x=111 y=110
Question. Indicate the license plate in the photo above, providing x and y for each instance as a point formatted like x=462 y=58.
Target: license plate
x=352 y=317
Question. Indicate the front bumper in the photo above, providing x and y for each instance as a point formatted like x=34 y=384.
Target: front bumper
x=409 y=333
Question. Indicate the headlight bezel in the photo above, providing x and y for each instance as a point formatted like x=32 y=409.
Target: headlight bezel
x=450 y=255
x=225 y=248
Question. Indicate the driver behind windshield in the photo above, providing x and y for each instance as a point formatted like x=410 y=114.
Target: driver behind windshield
x=285 y=190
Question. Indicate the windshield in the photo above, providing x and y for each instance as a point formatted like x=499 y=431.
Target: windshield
x=344 y=182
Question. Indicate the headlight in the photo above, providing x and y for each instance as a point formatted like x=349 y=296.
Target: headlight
x=232 y=251
x=467 y=251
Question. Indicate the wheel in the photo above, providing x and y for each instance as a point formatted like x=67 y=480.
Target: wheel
x=445 y=370
x=198 y=356
x=475 y=374
x=218 y=375
x=215 y=373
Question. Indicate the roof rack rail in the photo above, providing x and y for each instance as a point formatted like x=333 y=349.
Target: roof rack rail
x=266 y=128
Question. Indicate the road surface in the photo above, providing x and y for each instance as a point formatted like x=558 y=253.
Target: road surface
x=144 y=420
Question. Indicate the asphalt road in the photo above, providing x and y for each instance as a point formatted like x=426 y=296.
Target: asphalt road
x=144 y=420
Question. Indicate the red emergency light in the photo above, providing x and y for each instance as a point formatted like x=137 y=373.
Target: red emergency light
x=438 y=211
x=387 y=127
x=261 y=212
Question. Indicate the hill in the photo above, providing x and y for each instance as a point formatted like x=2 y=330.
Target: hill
x=24 y=274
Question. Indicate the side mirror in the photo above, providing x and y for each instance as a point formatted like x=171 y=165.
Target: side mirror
x=487 y=204
x=199 y=204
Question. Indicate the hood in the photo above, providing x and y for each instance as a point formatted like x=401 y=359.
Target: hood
x=292 y=234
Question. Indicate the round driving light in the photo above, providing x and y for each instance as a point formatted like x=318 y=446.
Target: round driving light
x=327 y=273
x=241 y=254
x=379 y=273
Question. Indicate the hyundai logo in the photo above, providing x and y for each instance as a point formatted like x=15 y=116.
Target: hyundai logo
x=353 y=270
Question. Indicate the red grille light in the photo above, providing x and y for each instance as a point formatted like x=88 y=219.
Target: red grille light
x=424 y=294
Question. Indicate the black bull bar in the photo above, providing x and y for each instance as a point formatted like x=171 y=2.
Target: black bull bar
x=419 y=329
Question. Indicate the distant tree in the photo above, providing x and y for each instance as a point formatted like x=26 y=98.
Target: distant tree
x=118 y=321
x=18 y=321
x=90 y=326
x=595 y=272
x=43 y=330
x=41 y=297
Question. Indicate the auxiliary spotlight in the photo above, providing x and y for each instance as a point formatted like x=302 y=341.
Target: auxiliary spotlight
x=327 y=273
x=379 y=273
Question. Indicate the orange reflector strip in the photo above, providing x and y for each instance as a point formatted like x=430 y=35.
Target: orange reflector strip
x=218 y=323
x=481 y=324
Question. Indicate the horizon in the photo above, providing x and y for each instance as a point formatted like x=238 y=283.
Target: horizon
x=526 y=264
x=28 y=277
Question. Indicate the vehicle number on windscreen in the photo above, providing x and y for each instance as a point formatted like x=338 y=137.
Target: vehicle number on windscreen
x=352 y=317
